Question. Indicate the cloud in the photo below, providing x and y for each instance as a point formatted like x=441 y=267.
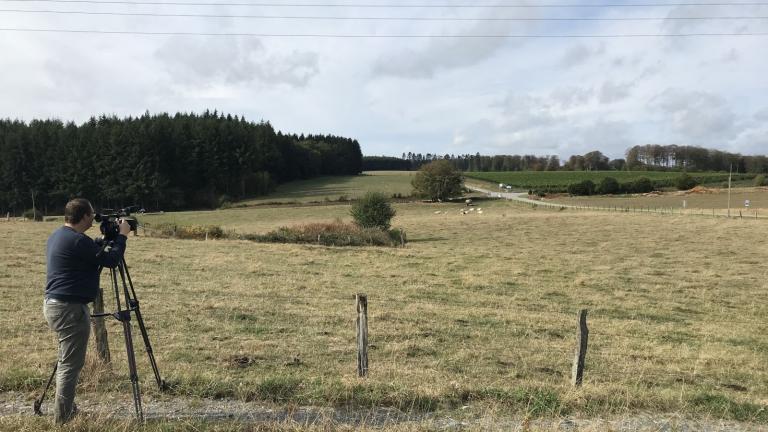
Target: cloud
x=579 y=54
x=695 y=114
x=235 y=61
x=611 y=92
x=446 y=53
x=571 y=96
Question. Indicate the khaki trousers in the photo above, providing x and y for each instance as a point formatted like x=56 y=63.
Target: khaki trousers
x=72 y=324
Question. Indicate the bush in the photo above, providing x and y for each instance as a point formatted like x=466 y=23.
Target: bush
x=438 y=180
x=760 y=181
x=608 y=186
x=585 y=187
x=685 y=182
x=194 y=232
x=335 y=233
x=373 y=211
x=641 y=185
x=33 y=214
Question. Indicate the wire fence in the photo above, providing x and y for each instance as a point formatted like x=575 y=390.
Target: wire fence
x=717 y=213
x=532 y=342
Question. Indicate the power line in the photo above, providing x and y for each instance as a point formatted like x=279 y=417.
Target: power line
x=409 y=6
x=380 y=18
x=378 y=36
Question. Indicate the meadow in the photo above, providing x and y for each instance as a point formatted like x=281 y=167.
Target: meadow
x=338 y=188
x=561 y=179
x=475 y=317
x=716 y=199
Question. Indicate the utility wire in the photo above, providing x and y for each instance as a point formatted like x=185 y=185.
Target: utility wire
x=379 y=36
x=400 y=6
x=380 y=18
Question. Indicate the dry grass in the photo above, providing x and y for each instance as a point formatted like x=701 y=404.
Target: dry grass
x=477 y=311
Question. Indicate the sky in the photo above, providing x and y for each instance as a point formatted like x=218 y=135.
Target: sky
x=447 y=91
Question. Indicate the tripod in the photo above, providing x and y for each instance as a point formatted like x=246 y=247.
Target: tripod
x=131 y=304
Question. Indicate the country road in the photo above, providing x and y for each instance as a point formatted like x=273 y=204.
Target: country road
x=516 y=196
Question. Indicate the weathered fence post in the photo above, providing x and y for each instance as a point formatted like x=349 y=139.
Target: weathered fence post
x=577 y=372
x=361 y=301
x=99 y=329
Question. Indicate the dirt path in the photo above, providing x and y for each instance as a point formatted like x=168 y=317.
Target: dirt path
x=517 y=196
x=181 y=408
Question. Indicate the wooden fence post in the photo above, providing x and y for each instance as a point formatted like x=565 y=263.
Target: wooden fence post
x=99 y=329
x=361 y=301
x=577 y=372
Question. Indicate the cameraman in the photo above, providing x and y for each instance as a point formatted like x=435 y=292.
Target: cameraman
x=74 y=262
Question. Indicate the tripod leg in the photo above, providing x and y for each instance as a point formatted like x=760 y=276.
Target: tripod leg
x=39 y=401
x=160 y=382
x=134 y=304
x=124 y=316
x=132 y=367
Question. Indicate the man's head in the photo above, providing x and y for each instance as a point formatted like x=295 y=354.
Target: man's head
x=78 y=214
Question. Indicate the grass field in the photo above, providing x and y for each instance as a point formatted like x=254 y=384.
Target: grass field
x=334 y=188
x=478 y=311
x=717 y=199
x=535 y=179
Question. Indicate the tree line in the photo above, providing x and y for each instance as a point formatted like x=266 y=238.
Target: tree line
x=691 y=158
x=638 y=158
x=159 y=161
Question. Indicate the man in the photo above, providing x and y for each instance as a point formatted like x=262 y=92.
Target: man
x=74 y=261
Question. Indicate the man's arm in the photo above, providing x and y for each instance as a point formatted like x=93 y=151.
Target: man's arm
x=105 y=257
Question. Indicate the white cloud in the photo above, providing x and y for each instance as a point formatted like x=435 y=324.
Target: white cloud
x=494 y=95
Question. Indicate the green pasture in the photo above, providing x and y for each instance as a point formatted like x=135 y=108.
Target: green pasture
x=339 y=188
x=716 y=199
x=535 y=179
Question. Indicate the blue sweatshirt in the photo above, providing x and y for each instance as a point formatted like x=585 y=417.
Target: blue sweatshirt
x=74 y=260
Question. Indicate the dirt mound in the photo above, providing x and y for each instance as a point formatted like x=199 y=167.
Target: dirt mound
x=700 y=190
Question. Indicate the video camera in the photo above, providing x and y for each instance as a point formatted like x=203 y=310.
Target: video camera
x=109 y=221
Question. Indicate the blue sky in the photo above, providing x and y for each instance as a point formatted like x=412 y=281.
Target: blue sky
x=559 y=96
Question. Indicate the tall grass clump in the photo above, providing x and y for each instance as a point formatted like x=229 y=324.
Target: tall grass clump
x=187 y=232
x=336 y=233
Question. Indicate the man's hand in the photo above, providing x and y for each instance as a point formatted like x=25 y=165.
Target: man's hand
x=125 y=227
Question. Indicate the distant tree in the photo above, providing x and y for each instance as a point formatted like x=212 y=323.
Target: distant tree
x=608 y=186
x=641 y=185
x=685 y=182
x=760 y=180
x=437 y=180
x=595 y=161
x=617 y=164
x=373 y=211
x=585 y=187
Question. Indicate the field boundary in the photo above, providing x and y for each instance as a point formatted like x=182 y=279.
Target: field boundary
x=521 y=197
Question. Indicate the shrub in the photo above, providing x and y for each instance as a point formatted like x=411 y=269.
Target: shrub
x=608 y=186
x=373 y=211
x=438 y=180
x=585 y=187
x=685 y=182
x=33 y=214
x=194 y=232
x=642 y=185
x=335 y=233
x=760 y=180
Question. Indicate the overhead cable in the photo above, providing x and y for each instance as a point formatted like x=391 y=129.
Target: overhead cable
x=383 y=36
x=376 y=18
x=398 y=5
